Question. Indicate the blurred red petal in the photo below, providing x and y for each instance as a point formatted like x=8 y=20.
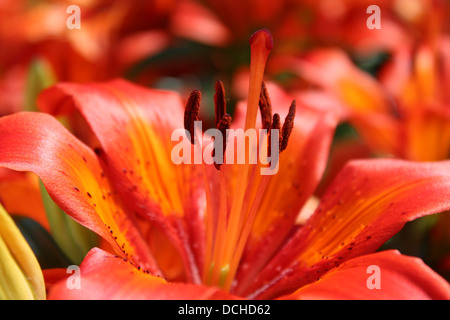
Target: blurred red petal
x=386 y=275
x=107 y=277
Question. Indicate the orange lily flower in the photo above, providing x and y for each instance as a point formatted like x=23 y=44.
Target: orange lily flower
x=220 y=24
x=113 y=35
x=198 y=232
x=343 y=23
x=309 y=23
x=401 y=114
x=297 y=25
x=418 y=91
x=401 y=111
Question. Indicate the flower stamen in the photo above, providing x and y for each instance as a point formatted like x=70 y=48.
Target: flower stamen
x=276 y=125
x=287 y=126
x=191 y=113
x=265 y=107
x=261 y=43
x=222 y=121
x=223 y=125
x=220 y=105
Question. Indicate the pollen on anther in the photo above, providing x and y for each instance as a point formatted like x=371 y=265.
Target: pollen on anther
x=220 y=106
x=223 y=125
x=265 y=107
x=276 y=125
x=288 y=126
x=191 y=113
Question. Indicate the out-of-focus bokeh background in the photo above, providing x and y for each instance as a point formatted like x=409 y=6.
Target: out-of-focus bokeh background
x=382 y=66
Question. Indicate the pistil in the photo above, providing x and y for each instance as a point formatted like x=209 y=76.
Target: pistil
x=261 y=43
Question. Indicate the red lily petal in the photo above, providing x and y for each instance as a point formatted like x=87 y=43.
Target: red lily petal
x=324 y=101
x=12 y=88
x=134 y=127
x=367 y=103
x=368 y=202
x=141 y=45
x=53 y=276
x=342 y=151
x=427 y=133
x=332 y=70
x=304 y=161
x=380 y=131
x=193 y=21
x=124 y=281
x=301 y=166
x=73 y=176
x=385 y=275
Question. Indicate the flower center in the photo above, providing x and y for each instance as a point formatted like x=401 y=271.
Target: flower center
x=228 y=228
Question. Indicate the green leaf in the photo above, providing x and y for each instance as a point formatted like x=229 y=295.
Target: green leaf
x=42 y=243
x=40 y=76
x=74 y=239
